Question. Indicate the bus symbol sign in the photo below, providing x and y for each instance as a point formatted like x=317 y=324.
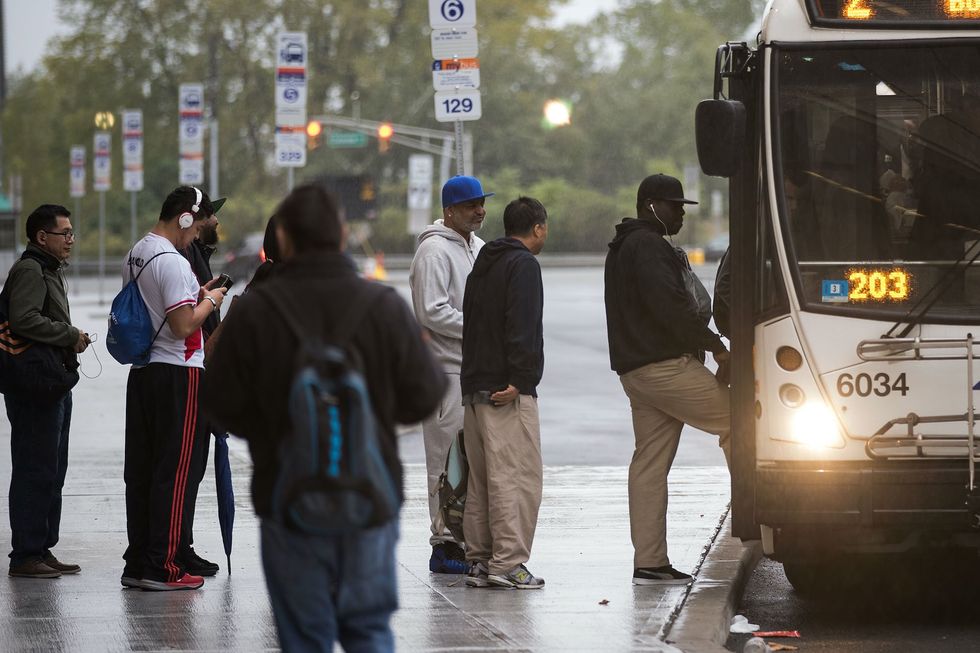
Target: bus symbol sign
x=835 y=291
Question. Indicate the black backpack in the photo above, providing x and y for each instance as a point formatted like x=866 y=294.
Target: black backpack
x=332 y=477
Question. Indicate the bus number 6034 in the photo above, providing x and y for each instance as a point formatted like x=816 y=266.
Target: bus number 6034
x=865 y=385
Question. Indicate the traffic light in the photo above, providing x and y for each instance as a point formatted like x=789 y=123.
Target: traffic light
x=385 y=132
x=313 y=131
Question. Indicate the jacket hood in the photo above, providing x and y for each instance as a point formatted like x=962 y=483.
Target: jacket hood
x=630 y=226
x=496 y=250
x=439 y=230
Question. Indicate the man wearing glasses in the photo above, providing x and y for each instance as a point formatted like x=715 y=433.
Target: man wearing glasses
x=37 y=299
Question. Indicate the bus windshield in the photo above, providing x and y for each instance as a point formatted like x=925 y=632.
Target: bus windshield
x=878 y=165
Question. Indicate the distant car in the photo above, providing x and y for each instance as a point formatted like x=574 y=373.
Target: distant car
x=241 y=262
x=716 y=248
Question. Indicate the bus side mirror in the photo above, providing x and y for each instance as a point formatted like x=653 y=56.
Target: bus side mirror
x=720 y=129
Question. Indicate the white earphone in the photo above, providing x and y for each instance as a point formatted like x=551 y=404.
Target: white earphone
x=657 y=218
x=185 y=219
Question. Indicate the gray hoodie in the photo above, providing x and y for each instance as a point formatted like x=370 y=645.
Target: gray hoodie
x=442 y=262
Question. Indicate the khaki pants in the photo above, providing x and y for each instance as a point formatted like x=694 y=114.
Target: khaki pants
x=664 y=396
x=503 y=447
x=438 y=432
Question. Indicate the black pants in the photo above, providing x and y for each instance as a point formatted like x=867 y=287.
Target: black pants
x=198 y=470
x=39 y=461
x=163 y=445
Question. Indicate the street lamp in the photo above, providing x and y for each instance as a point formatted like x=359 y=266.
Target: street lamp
x=105 y=120
x=557 y=113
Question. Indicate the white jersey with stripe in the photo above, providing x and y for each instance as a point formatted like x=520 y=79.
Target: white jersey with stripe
x=167 y=284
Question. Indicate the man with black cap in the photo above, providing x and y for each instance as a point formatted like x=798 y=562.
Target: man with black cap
x=444 y=258
x=657 y=339
x=198 y=254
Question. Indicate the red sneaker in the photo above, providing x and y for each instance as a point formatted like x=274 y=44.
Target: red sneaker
x=185 y=582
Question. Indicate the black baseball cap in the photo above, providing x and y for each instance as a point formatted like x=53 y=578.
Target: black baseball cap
x=661 y=187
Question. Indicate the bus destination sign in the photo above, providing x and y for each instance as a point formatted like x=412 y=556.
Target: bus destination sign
x=892 y=285
x=906 y=13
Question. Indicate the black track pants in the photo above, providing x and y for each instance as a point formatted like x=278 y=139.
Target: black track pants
x=163 y=436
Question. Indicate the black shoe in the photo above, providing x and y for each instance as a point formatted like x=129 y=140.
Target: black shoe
x=665 y=575
x=196 y=565
x=63 y=567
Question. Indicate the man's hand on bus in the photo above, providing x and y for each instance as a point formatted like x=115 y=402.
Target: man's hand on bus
x=723 y=358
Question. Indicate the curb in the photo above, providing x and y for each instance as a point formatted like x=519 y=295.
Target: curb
x=701 y=625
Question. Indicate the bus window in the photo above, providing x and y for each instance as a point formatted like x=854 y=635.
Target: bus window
x=879 y=155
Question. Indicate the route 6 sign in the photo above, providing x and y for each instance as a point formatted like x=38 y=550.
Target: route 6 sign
x=452 y=13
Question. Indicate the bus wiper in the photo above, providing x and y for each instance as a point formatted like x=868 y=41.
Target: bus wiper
x=936 y=291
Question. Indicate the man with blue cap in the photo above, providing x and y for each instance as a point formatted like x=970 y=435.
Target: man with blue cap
x=444 y=258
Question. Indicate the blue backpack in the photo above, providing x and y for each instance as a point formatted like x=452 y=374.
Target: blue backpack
x=332 y=477
x=130 y=334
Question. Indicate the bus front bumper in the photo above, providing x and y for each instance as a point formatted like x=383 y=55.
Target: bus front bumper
x=889 y=494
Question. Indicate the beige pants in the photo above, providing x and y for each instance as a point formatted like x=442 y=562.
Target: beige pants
x=503 y=494
x=438 y=432
x=664 y=396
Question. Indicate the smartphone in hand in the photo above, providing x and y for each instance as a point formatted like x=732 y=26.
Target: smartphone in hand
x=224 y=281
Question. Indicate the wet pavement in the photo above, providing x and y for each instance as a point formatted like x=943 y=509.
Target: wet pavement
x=582 y=549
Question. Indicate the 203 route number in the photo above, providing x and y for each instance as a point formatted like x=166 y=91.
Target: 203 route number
x=865 y=385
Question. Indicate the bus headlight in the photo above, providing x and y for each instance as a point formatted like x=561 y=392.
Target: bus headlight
x=815 y=425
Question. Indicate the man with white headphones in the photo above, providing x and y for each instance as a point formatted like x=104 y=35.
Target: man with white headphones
x=657 y=340
x=163 y=429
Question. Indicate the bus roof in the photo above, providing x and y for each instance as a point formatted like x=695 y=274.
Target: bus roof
x=799 y=21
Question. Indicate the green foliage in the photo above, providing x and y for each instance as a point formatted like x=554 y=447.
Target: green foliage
x=633 y=78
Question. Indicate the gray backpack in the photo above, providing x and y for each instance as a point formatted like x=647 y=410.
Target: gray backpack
x=452 y=488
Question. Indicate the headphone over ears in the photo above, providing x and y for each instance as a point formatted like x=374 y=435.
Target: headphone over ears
x=186 y=219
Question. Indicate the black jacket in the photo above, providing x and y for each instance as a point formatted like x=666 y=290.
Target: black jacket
x=247 y=381
x=650 y=315
x=503 y=340
x=199 y=256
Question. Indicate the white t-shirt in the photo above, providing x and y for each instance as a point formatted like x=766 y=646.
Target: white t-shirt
x=167 y=284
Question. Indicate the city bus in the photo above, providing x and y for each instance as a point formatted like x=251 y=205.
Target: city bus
x=850 y=135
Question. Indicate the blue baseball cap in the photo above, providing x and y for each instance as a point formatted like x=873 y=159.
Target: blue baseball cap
x=461 y=189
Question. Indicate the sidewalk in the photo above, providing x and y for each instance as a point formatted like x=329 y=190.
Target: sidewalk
x=582 y=549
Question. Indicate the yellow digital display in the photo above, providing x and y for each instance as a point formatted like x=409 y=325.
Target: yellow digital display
x=872 y=285
x=962 y=8
x=914 y=13
x=859 y=9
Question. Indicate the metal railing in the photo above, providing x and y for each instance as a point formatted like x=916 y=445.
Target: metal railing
x=924 y=349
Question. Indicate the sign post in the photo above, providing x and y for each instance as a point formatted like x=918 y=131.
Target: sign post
x=76 y=184
x=132 y=126
x=190 y=107
x=420 y=167
x=102 y=181
x=456 y=70
x=291 y=55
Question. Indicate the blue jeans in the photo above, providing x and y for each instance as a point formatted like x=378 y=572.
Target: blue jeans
x=39 y=462
x=327 y=589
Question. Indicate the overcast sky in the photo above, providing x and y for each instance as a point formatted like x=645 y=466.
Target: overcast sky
x=30 y=24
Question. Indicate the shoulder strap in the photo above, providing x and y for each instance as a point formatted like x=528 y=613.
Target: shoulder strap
x=145 y=265
x=28 y=255
x=343 y=330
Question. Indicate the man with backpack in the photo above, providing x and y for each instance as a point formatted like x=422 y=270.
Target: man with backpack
x=503 y=360
x=35 y=298
x=297 y=357
x=163 y=429
x=443 y=260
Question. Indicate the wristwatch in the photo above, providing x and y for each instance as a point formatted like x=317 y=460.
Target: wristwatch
x=213 y=303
